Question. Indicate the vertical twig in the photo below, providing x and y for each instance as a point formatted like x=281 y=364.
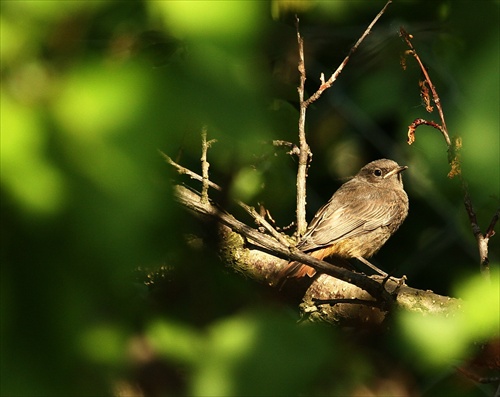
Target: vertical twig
x=304 y=150
x=305 y=153
x=205 y=165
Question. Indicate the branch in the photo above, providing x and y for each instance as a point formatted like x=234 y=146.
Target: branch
x=427 y=84
x=184 y=171
x=418 y=122
x=192 y=201
x=204 y=163
x=325 y=85
x=454 y=147
x=261 y=257
x=206 y=182
x=261 y=220
x=293 y=148
x=305 y=154
x=481 y=239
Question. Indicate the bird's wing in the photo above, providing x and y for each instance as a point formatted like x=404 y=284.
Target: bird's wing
x=340 y=218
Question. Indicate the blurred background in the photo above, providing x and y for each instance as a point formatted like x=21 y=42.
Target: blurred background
x=106 y=288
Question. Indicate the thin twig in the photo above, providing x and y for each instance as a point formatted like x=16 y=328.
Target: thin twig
x=453 y=146
x=352 y=301
x=292 y=146
x=261 y=220
x=184 y=171
x=480 y=379
x=490 y=232
x=417 y=122
x=335 y=75
x=435 y=97
x=205 y=165
x=482 y=239
x=250 y=210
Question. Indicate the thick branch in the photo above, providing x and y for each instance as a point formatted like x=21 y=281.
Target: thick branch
x=192 y=201
x=260 y=257
x=407 y=298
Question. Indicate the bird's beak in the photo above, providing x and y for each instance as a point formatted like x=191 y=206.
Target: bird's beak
x=395 y=171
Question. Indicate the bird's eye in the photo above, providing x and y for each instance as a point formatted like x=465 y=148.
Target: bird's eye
x=377 y=172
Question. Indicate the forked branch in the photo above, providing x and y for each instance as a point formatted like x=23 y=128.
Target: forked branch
x=305 y=154
x=426 y=85
x=327 y=84
x=454 y=145
x=206 y=183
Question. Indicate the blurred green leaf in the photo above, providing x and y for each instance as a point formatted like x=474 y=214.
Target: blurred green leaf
x=481 y=320
x=27 y=173
x=247 y=183
x=97 y=101
x=104 y=344
x=221 y=20
x=176 y=341
x=94 y=109
x=261 y=353
x=437 y=340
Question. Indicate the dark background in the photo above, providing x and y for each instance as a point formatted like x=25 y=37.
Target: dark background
x=91 y=91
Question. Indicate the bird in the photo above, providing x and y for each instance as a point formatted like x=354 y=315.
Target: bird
x=357 y=220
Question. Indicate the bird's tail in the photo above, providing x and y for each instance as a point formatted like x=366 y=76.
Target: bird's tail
x=293 y=270
x=296 y=270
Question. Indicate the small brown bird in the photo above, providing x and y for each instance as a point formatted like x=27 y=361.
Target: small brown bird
x=357 y=221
